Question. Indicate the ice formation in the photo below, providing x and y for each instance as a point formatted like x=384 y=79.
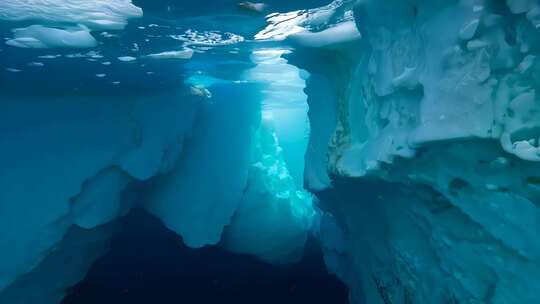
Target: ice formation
x=421 y=160
x=40 y=37
x=183 y=54
x=251 y=6
x=424 y=145
x=65 y=23
x=96 y=14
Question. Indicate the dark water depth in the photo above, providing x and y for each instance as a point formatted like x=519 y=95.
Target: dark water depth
x=149 y=264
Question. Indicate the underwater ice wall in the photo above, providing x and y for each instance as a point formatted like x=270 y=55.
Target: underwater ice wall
x=103 y=110
x=424 y=149
x=69 y=161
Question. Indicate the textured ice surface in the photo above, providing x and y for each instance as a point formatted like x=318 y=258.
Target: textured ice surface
x=207 y=38
x=183 y=54
x=96 y=14
x=427 y=121
x=79 y=174
x=65 y=24
x=41 y=37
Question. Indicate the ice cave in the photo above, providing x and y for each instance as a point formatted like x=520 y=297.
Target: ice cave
x=282 y=151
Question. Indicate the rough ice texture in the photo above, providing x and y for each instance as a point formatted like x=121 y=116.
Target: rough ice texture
x=434 y=148
x=91 y=152
x=95 y=14
x=183 y=54
x=65 y=23
x=41 y=37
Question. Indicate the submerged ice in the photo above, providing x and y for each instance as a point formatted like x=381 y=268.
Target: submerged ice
x=403 y=135
x=429 y=164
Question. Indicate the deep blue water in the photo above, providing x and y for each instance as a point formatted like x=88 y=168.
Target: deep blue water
x=150 y=264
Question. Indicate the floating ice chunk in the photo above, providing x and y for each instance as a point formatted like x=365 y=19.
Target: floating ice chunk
x=183 y=54
x=101 y=75
x=38 y=36
x=108 y=35
x=340 y=33
x=106 y=63
x=200 y=91
x=90 y=56
x=13 y=70
x=254 y=7
x=35 y=64
x=87 y=15
x=282 y=25
x=94 y=55
x=95 y=14
x=75 y=55
x=526 y=150
x=208 y=38
x=312 y=28
x=127 y=58
x=49 y=56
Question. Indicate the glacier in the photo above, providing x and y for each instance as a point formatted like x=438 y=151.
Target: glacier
x=404 y=135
